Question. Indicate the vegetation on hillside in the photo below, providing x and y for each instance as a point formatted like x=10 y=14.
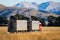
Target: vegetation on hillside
x=52 y=21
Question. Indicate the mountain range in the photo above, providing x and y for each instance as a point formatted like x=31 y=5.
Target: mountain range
x=25 y=8
x=50 y=7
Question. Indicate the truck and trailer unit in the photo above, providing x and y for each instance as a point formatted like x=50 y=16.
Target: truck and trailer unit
x=23 y=25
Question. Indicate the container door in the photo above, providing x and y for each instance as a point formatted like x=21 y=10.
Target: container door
x=11 y=26
x=29 y=26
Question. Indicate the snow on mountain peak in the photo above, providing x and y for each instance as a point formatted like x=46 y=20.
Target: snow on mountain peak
x=27 y=5
x=53 y=5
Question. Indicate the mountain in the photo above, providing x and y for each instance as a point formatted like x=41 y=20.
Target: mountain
x=31 y=5
x=27 y=8
x=44 y=14
x=2 y=6
x=43 y=6
x=26 y=12
x=50 y=6
x=7 y=11
x=54 y=7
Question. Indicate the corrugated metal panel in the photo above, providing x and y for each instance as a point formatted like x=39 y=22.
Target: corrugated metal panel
x=11 y=26
x=21 y=25
x=35 y=25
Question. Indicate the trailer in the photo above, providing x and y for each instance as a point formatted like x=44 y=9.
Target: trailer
x=23 y=25
x=35 y=25
x=17 y=25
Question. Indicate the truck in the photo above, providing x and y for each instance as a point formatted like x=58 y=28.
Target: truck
x=23 y=25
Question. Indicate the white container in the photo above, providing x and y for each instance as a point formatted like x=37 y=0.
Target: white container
x=21 y=25
x=35 y=25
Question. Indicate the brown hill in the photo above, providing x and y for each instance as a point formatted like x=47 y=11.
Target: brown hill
x=33 y=12
x=2 y=6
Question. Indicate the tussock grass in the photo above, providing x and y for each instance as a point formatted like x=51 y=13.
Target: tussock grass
x=45 y=34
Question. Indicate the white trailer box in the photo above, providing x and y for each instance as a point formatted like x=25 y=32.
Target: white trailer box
x=21 y=25
x=35 y=25
x=17 y=25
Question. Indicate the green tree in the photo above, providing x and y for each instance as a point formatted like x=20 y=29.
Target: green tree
x=3 y=20
x=42 y=21
x=57 y=21
x=12 y=17
x=34 y=18
x=18 y=16
x=51 y=20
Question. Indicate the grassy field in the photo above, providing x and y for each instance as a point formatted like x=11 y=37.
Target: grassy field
x=47 y=33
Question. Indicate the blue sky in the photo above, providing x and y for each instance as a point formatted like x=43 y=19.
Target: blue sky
x=13 y=2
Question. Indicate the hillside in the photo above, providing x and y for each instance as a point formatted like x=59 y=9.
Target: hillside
x=31 y=8
x=50 y=6
x=2 y=6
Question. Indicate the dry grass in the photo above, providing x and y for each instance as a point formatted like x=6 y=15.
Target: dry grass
x=50 y=33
